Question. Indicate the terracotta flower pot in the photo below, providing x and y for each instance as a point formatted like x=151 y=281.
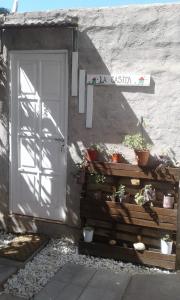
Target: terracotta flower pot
x=91 y=155
x=116 y=158
x=142 y=157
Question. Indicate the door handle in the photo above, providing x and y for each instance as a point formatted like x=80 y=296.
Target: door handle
x=59 y=140
x=62 y=147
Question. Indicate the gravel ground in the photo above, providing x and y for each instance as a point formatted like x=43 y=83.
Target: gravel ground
x=40 y=270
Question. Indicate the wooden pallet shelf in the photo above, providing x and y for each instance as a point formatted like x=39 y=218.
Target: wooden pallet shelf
x=127 y=223
x=154 y=217
x=150 y=258
x=133 y=171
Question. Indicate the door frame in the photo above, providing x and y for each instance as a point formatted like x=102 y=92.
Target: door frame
x=11 y=57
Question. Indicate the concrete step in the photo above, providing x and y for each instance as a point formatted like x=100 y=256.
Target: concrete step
x=159 y=286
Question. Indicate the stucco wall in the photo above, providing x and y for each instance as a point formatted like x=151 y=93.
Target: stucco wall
x=132 y=39
x=135 y=39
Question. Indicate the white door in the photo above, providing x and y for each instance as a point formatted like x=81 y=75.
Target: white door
x=38 y=133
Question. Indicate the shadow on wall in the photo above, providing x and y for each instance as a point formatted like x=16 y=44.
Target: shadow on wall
x=113 y=117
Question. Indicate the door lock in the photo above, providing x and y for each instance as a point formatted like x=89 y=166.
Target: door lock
x=60 y=140
x=62 y=147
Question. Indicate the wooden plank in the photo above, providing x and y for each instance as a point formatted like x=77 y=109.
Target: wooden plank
x=149 y=237
x=127 y=170
x=130 y=214
x=127 y=254
x=74 y=80
x=129 y=229
x=96 y=214
x=99 y=223
x=129 y=237
x=89 y=106
x=82 y=75
x=130 y=208
x=103 y=187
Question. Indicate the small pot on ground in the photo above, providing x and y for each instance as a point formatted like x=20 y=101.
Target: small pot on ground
x=116 y=157
x=166 y=244
x=88 y=233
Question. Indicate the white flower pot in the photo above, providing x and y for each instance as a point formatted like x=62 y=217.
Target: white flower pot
x=166 y=247
x=168 y=201
x=88 y=234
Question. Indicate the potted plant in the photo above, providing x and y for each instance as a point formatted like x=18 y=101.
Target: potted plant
x=145 y=195
x=91 y=153
x=88 y=233
x=168 y=201
x=166 y=244
x=114 y=154
x=116 y=157
x=120 y=193
x=149 y=193
x=139 y=198
x=140 y=147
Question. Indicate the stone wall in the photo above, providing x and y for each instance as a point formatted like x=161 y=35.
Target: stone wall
x=134 y=39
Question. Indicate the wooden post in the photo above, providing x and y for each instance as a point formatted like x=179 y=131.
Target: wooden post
x=178 y=233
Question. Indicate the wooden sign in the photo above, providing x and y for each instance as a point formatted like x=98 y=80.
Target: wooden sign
x=119 y=79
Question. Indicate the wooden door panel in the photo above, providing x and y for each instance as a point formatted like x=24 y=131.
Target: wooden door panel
x=38 y=180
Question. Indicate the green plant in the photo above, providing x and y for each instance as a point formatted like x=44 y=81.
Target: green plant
x=94 y=147
x=139 y=198
x=167 y=238
x=145 y=195
x=136 y=142
x=148 y=187
x=113 y=149
x=120 y=191
x=98 y=178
